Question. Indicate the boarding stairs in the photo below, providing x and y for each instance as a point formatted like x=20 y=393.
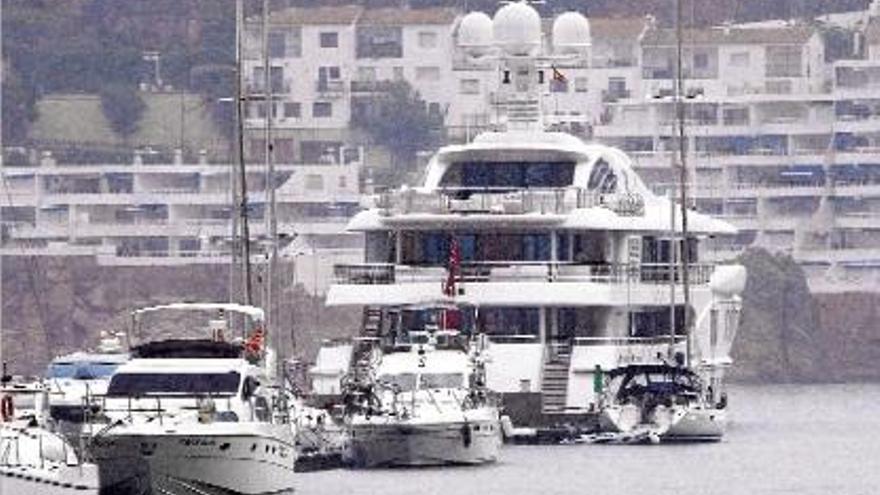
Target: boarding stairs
x=362 y=351
x=554 y=380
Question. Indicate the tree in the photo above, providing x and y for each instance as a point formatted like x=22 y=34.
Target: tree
x=398 y=118
x=19 y=109
x=123 y=108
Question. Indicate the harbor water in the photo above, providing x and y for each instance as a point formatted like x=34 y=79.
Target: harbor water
x=791 y=439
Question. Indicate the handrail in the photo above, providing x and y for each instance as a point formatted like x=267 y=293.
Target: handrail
x=547 y=271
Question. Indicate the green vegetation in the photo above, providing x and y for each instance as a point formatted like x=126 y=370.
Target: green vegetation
x=397 y=118
x=123 y=107
x=81 y=46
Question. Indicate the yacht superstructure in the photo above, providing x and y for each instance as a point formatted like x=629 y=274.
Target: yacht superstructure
x=571 y=262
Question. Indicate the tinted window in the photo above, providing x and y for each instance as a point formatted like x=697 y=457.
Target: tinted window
x=403 y=382
x=136 y=384
x=81 y=371
x=441 y=380
x=508 y=175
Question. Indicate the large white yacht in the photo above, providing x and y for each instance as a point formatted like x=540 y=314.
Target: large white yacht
x=419 y=398
x=571 y=264
x=196 y=415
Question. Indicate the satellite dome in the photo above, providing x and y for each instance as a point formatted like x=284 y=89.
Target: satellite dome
x=517 y=29
x=571 y=33
x=475 y=33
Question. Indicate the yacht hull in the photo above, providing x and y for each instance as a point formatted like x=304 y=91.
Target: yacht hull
x=668 y=425
x=400 y=444
x=53 y=479
x=185 y=462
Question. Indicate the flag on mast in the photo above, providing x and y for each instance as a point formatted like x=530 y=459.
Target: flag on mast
x=558 y=76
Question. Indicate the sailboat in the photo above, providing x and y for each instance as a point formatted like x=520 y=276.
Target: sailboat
x=680 y=399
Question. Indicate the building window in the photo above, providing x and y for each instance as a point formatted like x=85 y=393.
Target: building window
x=701 y=60
x=379 y=42
x=398 y=74
x=470 y=86
x=783 y=61
x=559 y=85
x=343 y=182
x=427 y=73
x=322 y=109
x=581 y=84
x=314 y=182
x=736 y=116
x=292 y=110
x=329 y=40
x=366 y=73
x=740 y=59
x=427 y=39
x=277 y=44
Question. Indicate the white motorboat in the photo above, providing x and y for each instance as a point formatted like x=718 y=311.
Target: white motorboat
x=198 y=415
x=662 y=403
x=425 y=404
x=34 y=460
x=74 y=378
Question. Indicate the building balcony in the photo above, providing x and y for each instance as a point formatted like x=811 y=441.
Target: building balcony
x=370 y=86
x=330 y=89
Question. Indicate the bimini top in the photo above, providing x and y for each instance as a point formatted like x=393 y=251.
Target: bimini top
x=253 y=312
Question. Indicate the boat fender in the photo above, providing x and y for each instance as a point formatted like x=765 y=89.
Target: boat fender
x=7 y=408
x=466 y=438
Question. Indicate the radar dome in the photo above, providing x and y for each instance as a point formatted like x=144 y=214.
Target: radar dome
x=517 y=29
x=475 y=33
x=571 y=33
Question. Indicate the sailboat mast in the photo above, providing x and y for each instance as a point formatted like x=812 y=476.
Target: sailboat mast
x=683 y=178
x=244 y=237
x=270 y=213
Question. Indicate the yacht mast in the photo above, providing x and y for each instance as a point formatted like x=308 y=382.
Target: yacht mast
x=244 y=237
x=683 y=178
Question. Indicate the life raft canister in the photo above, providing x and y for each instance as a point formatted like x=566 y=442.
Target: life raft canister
x=7 y=408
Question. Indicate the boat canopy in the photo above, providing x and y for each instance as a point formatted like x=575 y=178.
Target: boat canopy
x=253 y=312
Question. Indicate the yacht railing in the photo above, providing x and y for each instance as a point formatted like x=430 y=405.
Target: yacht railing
x=527 y=271
x=506 y=200
x=617 y=341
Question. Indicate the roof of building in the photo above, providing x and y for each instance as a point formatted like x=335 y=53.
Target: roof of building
x=394 y=17
x=790 y=35
x=355 y=14
x=617 y=28
x=342 y=14
x=872 y=32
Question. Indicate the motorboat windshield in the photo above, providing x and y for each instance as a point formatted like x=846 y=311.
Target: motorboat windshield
x=441 y=380
x=400 y=382
x=81 y=370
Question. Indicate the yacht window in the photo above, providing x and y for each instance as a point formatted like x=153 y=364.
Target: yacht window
x=137 y=384
x=441 y=380
x=602 y=178
x=508 y=175
x=82 y=371
x=402 y=382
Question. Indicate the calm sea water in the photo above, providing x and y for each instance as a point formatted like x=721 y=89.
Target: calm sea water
x=799 y=440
